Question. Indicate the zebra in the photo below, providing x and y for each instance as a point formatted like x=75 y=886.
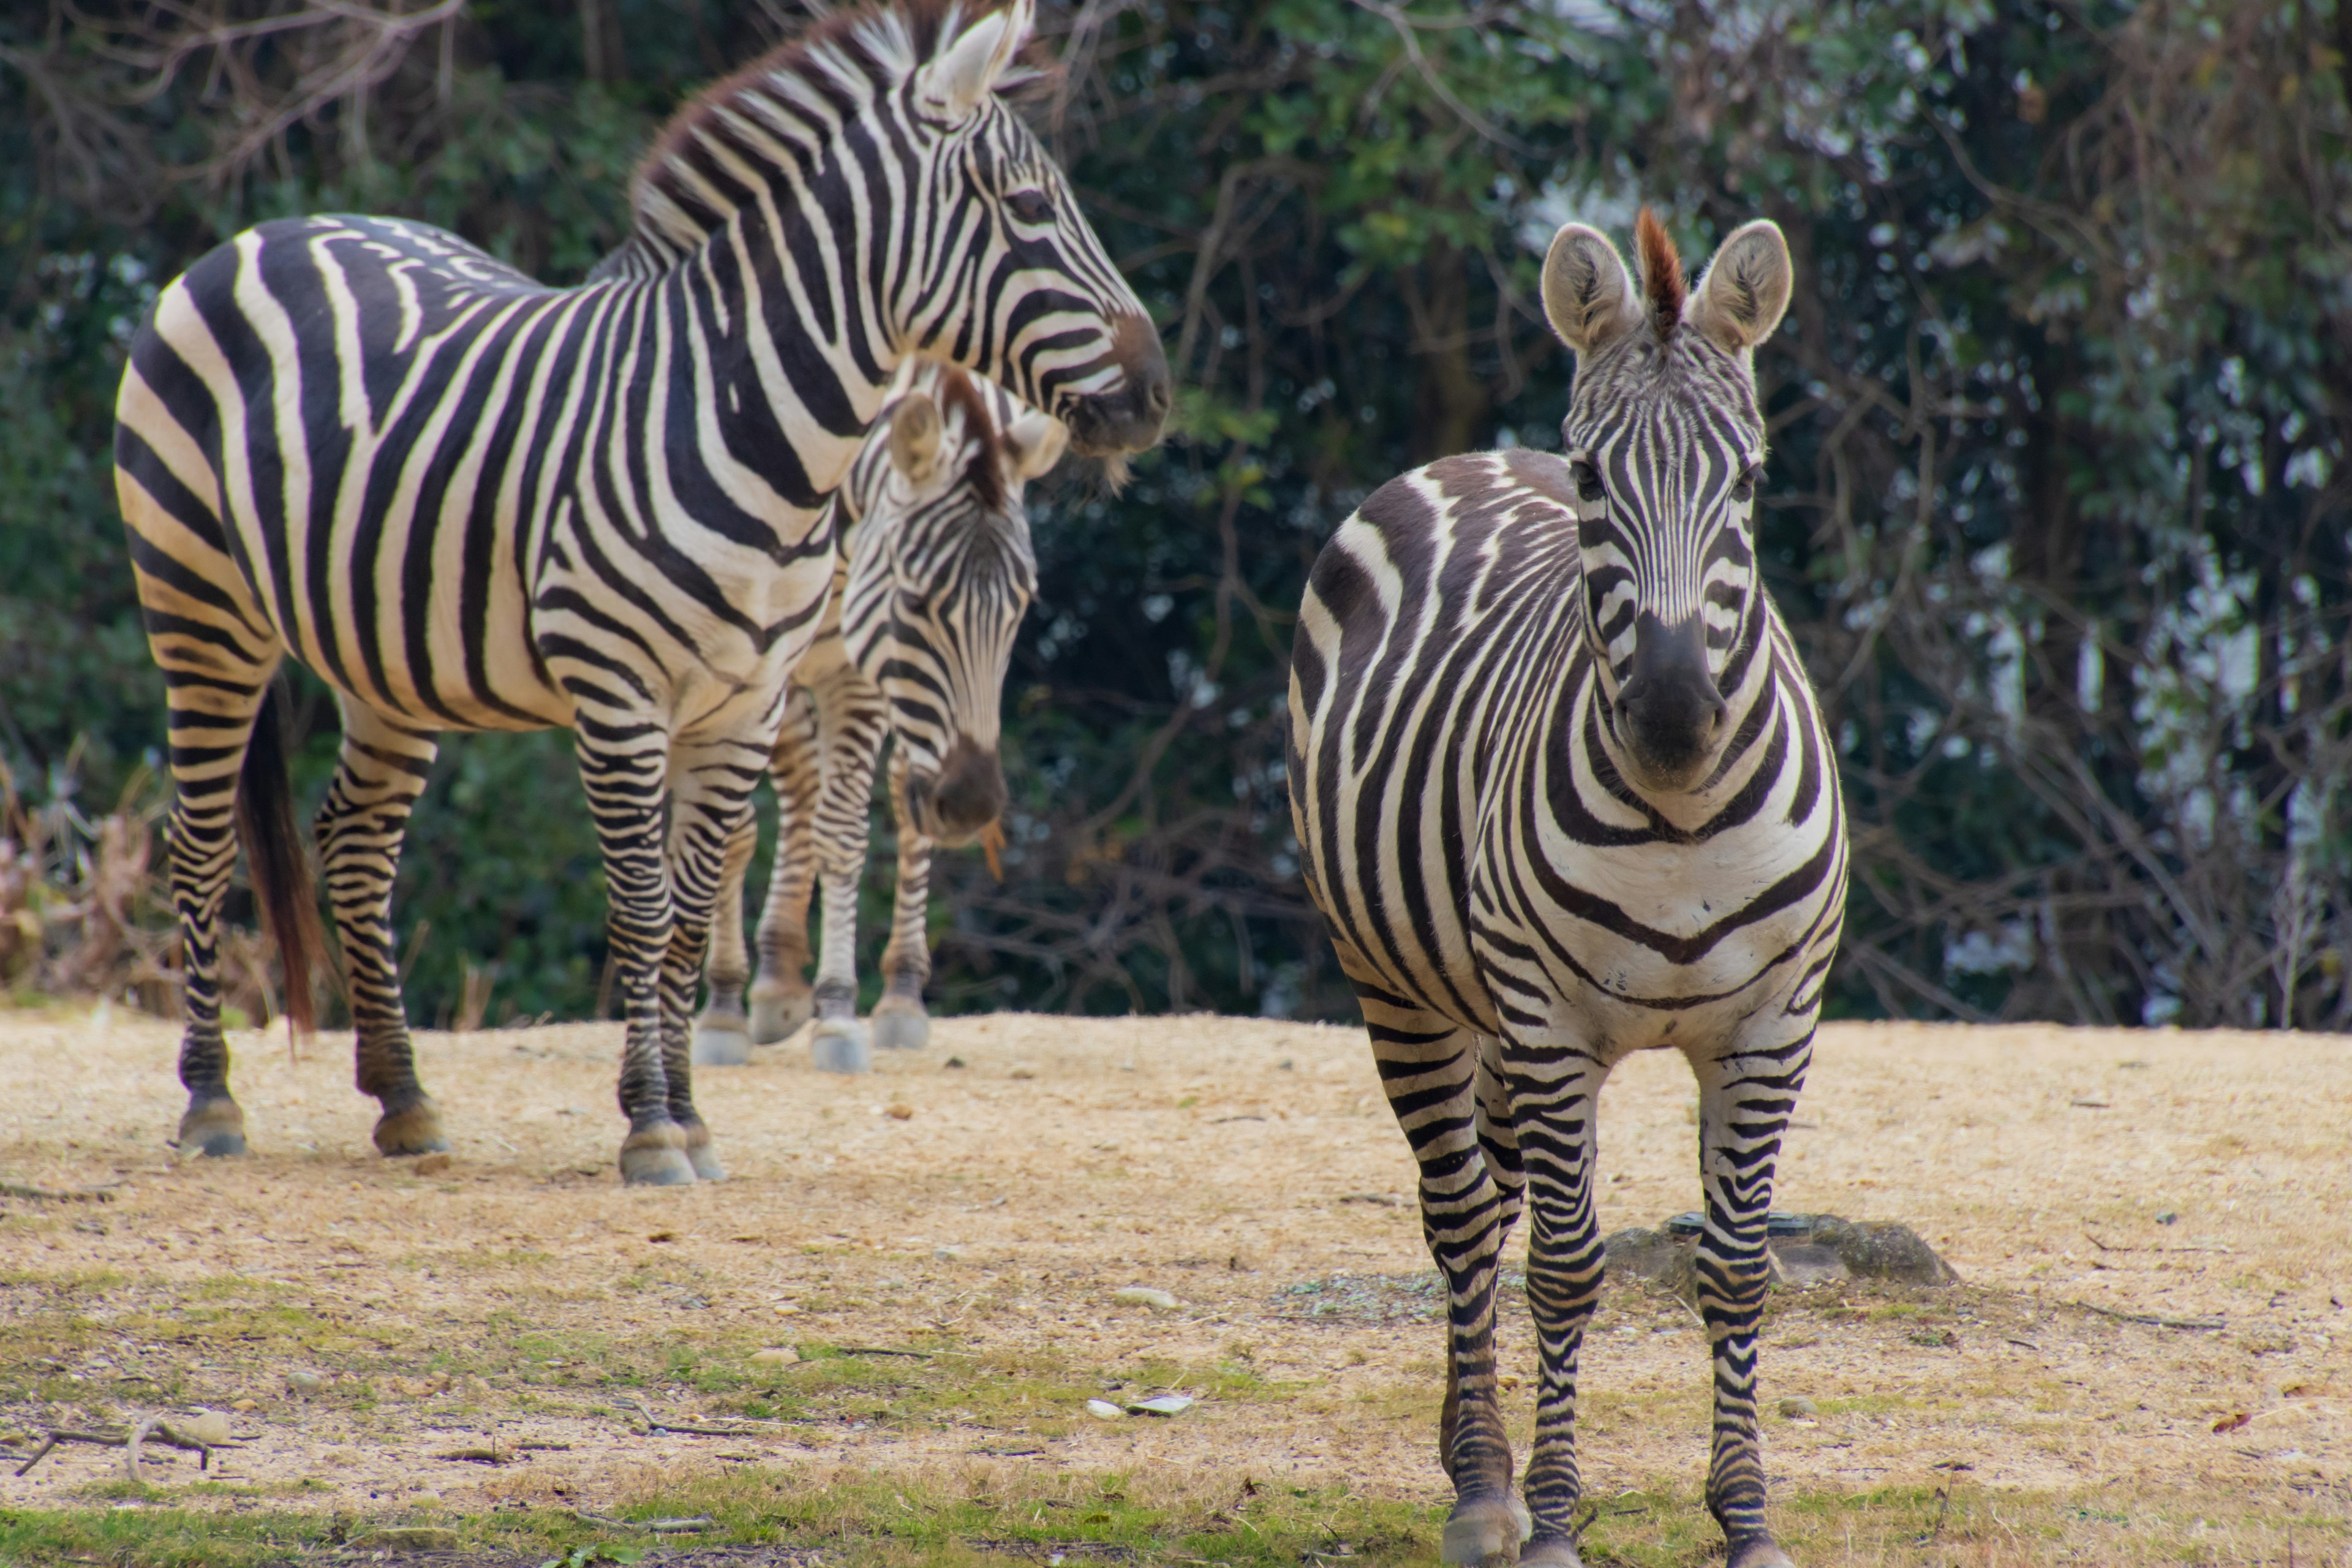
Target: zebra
x=468 y=502
x=1562 y=792
x=936 y=573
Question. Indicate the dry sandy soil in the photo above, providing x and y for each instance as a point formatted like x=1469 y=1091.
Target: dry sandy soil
x=984 y=1199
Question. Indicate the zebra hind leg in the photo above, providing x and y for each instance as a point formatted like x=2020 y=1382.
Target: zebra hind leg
x=379 y=773
x=1746 y=1097
x=1430 y=1071
x=722 y=1035
x=901 y=1020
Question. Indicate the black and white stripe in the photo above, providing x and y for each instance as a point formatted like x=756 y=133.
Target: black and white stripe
x=471 y=502
x=936 y=574
x=1563 y=794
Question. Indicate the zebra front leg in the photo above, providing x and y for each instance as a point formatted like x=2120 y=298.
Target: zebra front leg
x=1554 y=1091
x=781 y=999
x=1430 y=1071
x=900 y=1022
x=710 y=813
x=381 y=772
x=721 y=1035
x=851 y=724
x=623 y=763
x=1747 y=1094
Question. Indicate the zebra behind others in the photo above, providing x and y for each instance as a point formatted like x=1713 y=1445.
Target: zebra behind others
x=1563 y=794
x=937 y=573
x=469 y=501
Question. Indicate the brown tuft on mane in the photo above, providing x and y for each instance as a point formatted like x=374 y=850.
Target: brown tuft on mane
x=1661 y=272
x=987 y=472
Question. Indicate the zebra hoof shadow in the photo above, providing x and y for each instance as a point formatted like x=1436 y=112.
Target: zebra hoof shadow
x=702 y=1155
x=1758 y=1551
x=1485 y=1532
x=840 y=1044
x=779 y=1018
x=656 y=1157
x=903 y=1028
x=414 y=1129
x=721 y=1042
x=215 y=1128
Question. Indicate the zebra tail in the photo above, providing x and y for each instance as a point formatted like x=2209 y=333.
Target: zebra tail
x=283 y=884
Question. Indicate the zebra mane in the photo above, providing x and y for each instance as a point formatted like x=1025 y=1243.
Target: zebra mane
x=690 y=180
x=1662 y=273
x=986 y=475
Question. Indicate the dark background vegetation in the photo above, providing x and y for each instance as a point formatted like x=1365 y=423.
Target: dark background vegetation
x=2058 y=500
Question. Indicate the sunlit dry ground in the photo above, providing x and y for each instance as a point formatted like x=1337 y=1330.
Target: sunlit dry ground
x=522 y=1296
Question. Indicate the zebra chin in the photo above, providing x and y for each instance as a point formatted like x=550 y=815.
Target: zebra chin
x=1671 y=719
x=962 y=797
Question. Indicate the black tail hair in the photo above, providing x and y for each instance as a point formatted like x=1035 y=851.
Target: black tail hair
x=283 y=884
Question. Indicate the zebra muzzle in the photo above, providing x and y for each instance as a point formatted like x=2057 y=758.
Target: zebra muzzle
x=1670 y=715
x=964 y=796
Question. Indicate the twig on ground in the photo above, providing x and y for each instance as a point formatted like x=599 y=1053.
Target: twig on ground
x=2155 y=1320
x=877 y=1349
x=151 y=1430
x=655 y=1423
x=98 y=1194
x=681 y=1526
x=585 y=1516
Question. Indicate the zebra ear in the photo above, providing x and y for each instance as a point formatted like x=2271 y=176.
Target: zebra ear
x=915 y=436
x=959 y=80
x=1037 y=441
x=1747 y=286
x=1588 y=295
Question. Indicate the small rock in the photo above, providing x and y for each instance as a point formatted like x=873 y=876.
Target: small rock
x=953 y=1062
x=899 y=1111
x=948 y=1254
x=1103 y=1410
x=205 y=1426
x=2170 y=1216
x=305 y=1383
x=433 y=1164
x=409 y=1538
x=1161 y=1405
x=1145 y=1296
x=776 y=1355
x=243 y=1406
x=1021 y=1070
x=785 y=1309
x=1243 y=1259
x=1285 y=1065
x=1800 y=1410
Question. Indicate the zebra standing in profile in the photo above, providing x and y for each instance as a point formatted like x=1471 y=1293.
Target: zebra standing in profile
x=1562 y=794
x=936 y=573
x=469 y=501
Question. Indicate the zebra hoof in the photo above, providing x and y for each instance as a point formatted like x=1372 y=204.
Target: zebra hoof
x=1486 y=1532
x=777 y=1018
x=721 y=1042
x=213 y=1128
x=903 y=1028
x=840 y=1044
x=1551 y=1552
x=656 y=1157
x=415 y=1129
x=1758 y=1551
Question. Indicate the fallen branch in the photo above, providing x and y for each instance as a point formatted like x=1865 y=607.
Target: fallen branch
x=151 y=1430
x=98 y=1194
x=879 y=1350
x=2154 y=1319
x=655 y=1423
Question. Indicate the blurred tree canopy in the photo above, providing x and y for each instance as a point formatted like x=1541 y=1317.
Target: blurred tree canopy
x=2058 y=504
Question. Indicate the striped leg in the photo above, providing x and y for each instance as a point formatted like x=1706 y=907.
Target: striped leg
x=623 y=762
x=851 y=721
x=1555 y=1093
x=710 y=808
x=1430 y=1071
x=781 y=999
x=899 y=1020
x=378 y=777
x=212 y=718
x=1747 y=1094
x=721 y=1033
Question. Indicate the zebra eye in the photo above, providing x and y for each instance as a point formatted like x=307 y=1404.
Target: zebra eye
x=1032 y=206
x=1588 y=480
x=1743 y=489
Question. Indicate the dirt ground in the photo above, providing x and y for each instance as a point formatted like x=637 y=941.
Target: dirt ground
x=484 y=1336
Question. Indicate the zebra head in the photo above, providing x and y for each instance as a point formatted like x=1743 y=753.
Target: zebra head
x=1010 y=279
x=1665 y=445
x=942 y=556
